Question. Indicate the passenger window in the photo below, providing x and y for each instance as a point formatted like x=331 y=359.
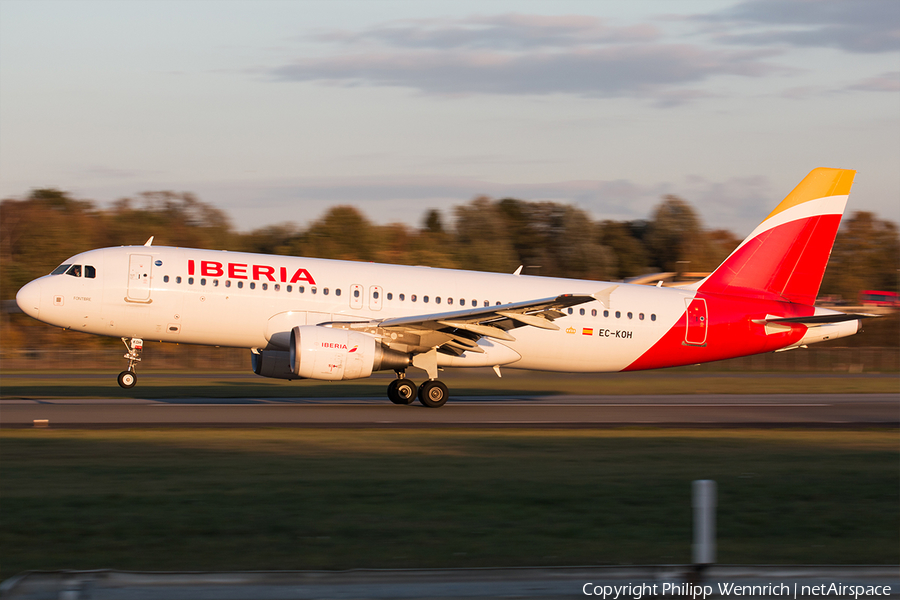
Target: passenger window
x=474 y=303
x=375 y=295
x=203 y=281
x=593 y=312
x=166 y=279
x=252 y=285
x=413 y=297
x=618 y=314
x=581 y=311
x=90 y=272
x=437 y=299
x=290 y=288
x=337 y=292
x=301 y=288
x=265 y=286
x=215 y=283
x=402 y=297
x=571 y=311
x=74 y=271
x=390 y=296
x=190 y=281
x=605 y=313
x=178 y=279
x=424 y=298
x=641 y=316
x=356 y=293
x=652 y=317
x=240 y=284
x=313 y=290
x=449 y=300
x=277 y=287
x=60 y=269
x=629 y=315
x=487 y=302
x=227 y=283
x=325 y=291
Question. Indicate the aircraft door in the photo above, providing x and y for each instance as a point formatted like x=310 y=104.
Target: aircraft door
x=139 y=266
x=356 y=296
x=375 y=294
x=695 y=330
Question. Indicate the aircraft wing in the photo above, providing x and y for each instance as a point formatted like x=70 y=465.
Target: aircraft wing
x=456 y=332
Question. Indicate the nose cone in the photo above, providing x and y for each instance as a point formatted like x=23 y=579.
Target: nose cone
x=29 y=299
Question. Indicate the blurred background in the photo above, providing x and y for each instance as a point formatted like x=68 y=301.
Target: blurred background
x=552 y=239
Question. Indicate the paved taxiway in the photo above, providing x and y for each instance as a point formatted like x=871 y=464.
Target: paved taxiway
x=562 y=411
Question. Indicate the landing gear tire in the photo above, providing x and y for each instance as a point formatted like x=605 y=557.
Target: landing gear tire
x=402 y=391
x=127 y=379
x=433 y=394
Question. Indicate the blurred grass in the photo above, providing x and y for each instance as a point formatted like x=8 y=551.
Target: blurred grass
x=470 y=382
x=175 y=499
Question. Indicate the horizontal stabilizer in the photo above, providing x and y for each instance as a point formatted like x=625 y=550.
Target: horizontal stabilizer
x=814 y=319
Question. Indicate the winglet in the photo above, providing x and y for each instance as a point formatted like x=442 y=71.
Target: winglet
x=603 y=295
x=149 y=242
x=518 y=271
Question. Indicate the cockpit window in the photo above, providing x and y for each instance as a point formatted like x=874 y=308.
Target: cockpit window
x=60 y=269
x=90 y=271
x=74 y=271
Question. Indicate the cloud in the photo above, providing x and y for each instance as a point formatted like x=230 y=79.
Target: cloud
x=886 y=82
x=861 y=26
x=499 y=32
x=521 y=54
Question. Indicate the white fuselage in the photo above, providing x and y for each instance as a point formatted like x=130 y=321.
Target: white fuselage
x=252 y=301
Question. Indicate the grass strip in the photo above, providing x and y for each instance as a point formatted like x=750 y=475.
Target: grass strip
x=175 y=499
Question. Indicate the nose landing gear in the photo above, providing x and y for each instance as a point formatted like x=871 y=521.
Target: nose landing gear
x=128 y=378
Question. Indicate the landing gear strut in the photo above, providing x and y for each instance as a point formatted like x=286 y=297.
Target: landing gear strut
x=128 y=378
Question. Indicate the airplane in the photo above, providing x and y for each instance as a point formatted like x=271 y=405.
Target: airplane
x=306 y=318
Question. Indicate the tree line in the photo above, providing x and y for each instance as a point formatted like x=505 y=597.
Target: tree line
x=485 y=234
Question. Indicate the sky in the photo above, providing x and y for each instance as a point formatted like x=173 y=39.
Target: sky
x=276 y=110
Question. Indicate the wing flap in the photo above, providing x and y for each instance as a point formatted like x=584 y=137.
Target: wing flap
x=459 y=331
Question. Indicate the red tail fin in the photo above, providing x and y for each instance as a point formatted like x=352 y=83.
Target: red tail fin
x=785 y=257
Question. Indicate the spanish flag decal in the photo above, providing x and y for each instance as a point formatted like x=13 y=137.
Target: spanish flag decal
x=587 y=331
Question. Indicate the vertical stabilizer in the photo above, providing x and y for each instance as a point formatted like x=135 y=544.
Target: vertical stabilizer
x=785 y=257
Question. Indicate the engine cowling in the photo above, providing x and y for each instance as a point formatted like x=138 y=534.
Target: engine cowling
x=335 y=354
x=272 y=363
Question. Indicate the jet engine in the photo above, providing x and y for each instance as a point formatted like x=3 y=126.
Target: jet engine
x=335 y=354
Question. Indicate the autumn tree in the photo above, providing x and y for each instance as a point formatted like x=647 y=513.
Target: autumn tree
x=866 y=256
x=481 y=240
x=676 y=239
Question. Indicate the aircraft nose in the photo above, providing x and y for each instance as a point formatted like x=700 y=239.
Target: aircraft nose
x=29 y=299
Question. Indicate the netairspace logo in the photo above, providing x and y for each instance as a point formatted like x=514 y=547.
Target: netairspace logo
x=690 y=590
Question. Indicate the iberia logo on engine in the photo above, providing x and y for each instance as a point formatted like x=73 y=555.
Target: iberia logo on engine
x=332 y=346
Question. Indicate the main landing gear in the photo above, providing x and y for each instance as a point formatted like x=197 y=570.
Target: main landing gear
x=128 y=378
x=432 y=393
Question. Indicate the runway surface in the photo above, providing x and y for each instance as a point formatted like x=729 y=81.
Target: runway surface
x=832 y=410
